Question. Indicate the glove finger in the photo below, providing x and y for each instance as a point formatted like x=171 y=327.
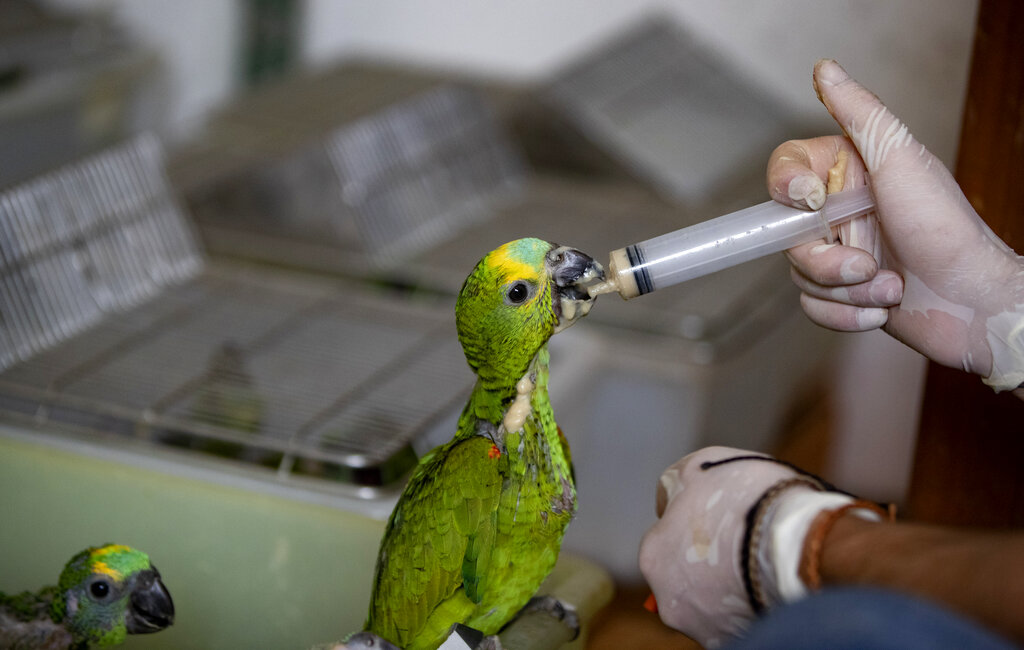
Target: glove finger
x=903 y=174
x=841 y=317
x=797 y=170
x=832 y=264
x=874 y=130
x=883 y=290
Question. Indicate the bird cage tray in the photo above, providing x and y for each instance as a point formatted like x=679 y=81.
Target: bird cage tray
x=300 y=376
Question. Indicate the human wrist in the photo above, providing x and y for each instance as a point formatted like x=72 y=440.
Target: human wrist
x=792 y=527
x=832 y=528
x=796 y=524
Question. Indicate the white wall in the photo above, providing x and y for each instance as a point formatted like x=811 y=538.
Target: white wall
x=913 y=54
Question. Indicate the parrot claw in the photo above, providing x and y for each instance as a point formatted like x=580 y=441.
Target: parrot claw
x=490 y=643
x=559 y=609
x=365 y=641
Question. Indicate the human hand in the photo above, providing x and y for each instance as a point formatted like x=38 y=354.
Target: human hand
x=927 y=269
x=712 y=567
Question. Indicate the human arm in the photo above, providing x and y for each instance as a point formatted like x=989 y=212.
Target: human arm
x=978 y=573
x=926 y=268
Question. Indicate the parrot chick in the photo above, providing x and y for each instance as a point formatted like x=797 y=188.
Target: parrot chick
x=228 y=396
x=480 y=522
x=103 y=594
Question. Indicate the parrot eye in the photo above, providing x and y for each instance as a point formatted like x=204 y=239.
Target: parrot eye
x=99 y=589
x=517 y=293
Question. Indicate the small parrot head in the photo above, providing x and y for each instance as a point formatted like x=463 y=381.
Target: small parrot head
x=517 y=296
x=110 y=591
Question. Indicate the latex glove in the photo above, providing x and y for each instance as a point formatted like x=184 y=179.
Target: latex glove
x=949 y=287
x=710 y=566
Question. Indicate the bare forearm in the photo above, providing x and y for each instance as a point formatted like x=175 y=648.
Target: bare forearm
x=980 y=574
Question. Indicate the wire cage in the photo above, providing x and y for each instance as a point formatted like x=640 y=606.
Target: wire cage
x=379 y=185
x=114 y=324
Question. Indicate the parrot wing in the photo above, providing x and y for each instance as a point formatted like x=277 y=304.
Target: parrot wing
x=432 y=568
x=25 y=622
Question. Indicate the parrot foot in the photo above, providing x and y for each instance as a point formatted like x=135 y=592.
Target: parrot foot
x=490 y=643
x=468 y=637
x=559 y=609
x=365 y=641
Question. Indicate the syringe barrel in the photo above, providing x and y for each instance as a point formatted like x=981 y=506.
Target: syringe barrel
x=729 y=240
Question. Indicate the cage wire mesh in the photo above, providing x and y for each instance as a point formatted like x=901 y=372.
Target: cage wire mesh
x=85 y=242
x=115 y=326
x=380 y=186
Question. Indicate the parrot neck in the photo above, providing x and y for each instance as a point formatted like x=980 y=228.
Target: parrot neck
x=516 y=416
x=505 y=403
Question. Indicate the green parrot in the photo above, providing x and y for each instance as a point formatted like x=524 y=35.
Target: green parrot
x=481 y=520
x=104 y=594
x=228 y=396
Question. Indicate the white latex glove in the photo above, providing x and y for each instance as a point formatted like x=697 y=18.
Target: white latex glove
x=694 y=557
x=949 y=287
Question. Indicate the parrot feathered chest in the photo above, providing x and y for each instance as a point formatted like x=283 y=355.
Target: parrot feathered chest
x=501 y=501
x=534 y=459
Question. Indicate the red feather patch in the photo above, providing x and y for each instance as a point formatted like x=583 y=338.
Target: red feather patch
x=494 y=452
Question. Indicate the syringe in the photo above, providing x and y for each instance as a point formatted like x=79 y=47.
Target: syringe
x=725 y=241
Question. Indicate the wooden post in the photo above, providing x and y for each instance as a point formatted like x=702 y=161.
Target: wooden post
x=969 y=460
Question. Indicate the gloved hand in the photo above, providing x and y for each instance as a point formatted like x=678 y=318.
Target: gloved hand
x=949 y=288
x=730 y=539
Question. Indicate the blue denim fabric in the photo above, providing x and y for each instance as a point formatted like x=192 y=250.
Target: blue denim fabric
x=866 y=619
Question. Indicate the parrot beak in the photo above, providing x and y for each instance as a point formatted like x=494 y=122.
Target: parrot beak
x=572 y=272
x=151 y=607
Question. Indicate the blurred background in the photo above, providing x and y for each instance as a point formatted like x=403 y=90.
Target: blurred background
x=231 y=233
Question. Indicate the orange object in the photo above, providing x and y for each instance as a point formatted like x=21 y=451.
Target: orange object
x=651 y=604
x=493 y=452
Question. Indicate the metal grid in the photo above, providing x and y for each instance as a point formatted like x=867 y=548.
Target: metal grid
x=85 y=242
x=423 y=170
x=310 y=378
x=380 y=187
x=120 y=330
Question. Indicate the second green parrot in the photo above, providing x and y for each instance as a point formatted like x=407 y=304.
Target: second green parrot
x=104 y=594
x=480 y=523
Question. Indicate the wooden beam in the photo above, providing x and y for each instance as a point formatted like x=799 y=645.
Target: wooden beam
x=969 y=459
